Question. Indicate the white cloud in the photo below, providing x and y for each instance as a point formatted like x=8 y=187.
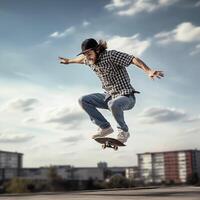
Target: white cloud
x=72 y=139
x=165 y=114
x=68 y=117
x=132 y=45
x=161 y=114
x=197 y=4
x=196 y=50
x=99 y=35
x=23 y=105
x=184 y=32
x=117 y=4
x=65 y=33
x=13 y=137
x=29 y=120
x=130 y=8
x=192 y=131
x=193 y=119
x=47 y=104
x=85 y=23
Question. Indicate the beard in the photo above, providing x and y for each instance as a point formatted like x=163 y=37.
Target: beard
x=91 y=62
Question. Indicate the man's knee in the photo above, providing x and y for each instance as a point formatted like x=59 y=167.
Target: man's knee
x=112 y=105
x=83 y=99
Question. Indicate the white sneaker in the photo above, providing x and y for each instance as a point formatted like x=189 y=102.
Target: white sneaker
x=103 y=132
x=123 y=136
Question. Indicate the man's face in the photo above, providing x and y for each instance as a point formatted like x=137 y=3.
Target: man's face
x=91 y=56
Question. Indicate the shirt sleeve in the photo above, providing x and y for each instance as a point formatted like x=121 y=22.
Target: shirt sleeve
x=121 y=59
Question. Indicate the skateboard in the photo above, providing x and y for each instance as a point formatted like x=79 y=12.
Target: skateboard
x=109 y=142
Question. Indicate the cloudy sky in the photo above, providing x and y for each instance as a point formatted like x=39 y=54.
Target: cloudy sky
x=39 y=111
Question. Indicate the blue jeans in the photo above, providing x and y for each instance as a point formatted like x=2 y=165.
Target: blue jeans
x=91 y=102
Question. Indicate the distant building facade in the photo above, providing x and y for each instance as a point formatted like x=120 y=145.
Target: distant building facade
x=102 y=165
x=66 y=172
x=132 y=173
x=169 y=166
x=10 y=164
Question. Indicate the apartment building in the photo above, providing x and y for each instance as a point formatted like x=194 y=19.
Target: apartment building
x=176 y=166
x=10 y=164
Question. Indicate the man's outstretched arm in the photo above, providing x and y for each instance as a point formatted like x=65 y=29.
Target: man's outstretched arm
x=79 y=60
x=151 y=73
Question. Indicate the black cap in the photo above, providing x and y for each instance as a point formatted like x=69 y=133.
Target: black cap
x=88 y=44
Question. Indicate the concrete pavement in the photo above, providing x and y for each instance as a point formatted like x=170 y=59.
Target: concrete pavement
x=168 y=193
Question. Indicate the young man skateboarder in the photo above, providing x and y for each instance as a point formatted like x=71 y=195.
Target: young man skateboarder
x=110 y=67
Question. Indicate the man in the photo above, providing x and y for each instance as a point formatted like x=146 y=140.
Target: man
x=110 y=67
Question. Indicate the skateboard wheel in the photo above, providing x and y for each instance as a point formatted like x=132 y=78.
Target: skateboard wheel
x=115 y=148
x=103 y=146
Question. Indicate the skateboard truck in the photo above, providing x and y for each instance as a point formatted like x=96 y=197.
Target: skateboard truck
x=109 y=142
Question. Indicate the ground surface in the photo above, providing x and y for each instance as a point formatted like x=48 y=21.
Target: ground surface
x=170 y=193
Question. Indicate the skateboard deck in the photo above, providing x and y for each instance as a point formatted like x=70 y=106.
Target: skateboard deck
x=109 y=142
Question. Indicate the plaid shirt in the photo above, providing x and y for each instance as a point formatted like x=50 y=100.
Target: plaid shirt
x=111 y=69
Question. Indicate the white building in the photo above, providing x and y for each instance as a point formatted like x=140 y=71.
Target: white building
x=169 y=166
x=10 y=164
x=132 y=173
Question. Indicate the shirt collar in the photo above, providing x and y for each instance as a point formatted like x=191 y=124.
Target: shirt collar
x=100 y=56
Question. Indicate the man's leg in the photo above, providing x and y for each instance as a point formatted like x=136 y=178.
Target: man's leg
x=90 y=103
x=117 y=107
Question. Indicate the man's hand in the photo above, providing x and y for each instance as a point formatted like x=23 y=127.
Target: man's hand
x=64 y=60
x=155 y=74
